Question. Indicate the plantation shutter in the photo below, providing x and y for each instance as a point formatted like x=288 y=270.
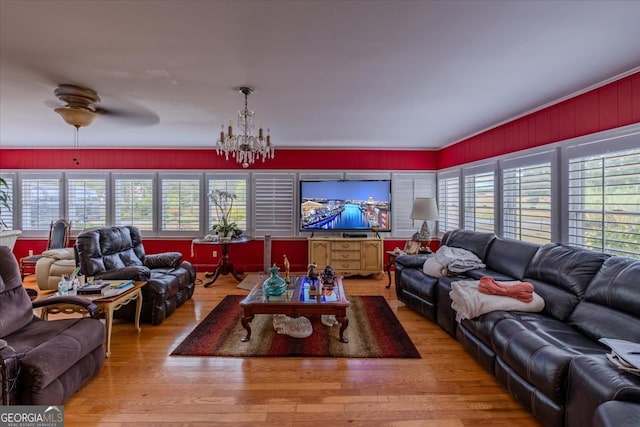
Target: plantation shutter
x=41 y=201
x=406 y=187
x=479 y=201
x=604 y=201
x=180 y=204
x=235 y=186
x=448 y=202
x=274 y=208
x=87 y=202
x=527 y=198
x=133 y=200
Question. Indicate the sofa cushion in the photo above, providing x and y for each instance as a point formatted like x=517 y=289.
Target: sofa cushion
x=510 y=257
x=611 y=305
x=540 y=349
x=61 y=343
x=473 y=241
x=565 y=267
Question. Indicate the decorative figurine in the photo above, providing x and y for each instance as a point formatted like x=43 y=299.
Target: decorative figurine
x=286 y=269
x=312 y=274
x=328 y=277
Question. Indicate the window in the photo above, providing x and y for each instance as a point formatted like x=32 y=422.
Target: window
x=406 y=187
x=86 y=202
x=448 y=202
x=238 y=187
x=133 y=201
x=604 y=202
x=40 y=202
x=274 y=203
x=479 y=202
x=526 y=203
x=180 y=204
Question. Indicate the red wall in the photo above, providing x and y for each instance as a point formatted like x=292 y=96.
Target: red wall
x=610 y=106
x=613 y=105
x=207 y=159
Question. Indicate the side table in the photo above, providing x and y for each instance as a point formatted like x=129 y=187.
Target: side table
x=107 y=305
x=225 y=266
x=391 y=256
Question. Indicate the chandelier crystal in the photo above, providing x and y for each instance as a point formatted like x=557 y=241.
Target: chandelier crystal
x=245 y=147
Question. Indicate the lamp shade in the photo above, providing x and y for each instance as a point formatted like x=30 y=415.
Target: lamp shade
x=424 y=208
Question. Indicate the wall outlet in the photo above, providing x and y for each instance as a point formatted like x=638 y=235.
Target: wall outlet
x=30 y=252
x=215 y=254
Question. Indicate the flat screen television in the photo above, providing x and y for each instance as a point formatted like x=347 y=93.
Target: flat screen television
x=345 y=205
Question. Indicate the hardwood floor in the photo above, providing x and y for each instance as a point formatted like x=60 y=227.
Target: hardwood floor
x=142 y=385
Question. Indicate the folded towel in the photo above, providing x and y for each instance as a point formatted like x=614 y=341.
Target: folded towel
x=522 y=291
x=469 y=303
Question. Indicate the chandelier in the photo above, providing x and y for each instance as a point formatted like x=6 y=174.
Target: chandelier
x=245 y=147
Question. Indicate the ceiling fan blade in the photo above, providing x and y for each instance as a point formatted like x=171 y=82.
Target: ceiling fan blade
x=131 y=115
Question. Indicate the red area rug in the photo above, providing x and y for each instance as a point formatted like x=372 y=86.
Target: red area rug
x=373 y=332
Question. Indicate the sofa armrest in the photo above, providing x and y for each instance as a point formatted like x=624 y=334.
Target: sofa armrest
x=166 y=259
x=131 y=272
x=412 y=261
x=85 y=303
x=9 y=370
x=61 y=253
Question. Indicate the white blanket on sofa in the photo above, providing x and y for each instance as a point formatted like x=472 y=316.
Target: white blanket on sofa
x=469 y=302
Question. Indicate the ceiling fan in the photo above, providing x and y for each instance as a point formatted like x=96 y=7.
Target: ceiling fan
x=81 y=106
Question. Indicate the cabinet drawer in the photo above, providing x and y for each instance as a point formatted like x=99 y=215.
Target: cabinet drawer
x=340 y=266
x=345 y=255
x=345 y=246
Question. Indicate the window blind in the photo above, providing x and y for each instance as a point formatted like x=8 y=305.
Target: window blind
x=180 y=204
x=40 y=202
x=604 y=202
x=133 y=201
x=86 y=203
x=448 y=203
x=237 y=187
x=526 y=198
x=479 y=202
x=274 y=208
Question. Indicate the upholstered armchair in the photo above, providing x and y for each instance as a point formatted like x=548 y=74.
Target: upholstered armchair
x=43 y=362
x=118 y=253
x=59 y=233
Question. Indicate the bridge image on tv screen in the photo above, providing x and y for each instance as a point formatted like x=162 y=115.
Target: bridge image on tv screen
x=345 y=205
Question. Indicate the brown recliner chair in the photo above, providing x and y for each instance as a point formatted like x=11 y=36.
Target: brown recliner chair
x=43 y=362
x=118 y=253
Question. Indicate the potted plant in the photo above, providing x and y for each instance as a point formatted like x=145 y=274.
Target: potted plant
x=223 y=204
x=5 y=200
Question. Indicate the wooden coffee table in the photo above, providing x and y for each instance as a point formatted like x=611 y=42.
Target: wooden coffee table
x=298 y=300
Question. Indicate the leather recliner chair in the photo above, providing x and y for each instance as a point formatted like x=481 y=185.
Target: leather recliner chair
x=118 y=253
x=43 y=362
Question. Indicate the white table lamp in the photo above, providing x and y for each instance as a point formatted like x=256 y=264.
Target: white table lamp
x=424 y=208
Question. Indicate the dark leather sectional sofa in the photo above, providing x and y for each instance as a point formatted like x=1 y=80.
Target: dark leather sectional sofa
x=550 y=361
x=118 y=253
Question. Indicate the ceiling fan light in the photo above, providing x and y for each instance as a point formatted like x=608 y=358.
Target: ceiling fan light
x=77 y=117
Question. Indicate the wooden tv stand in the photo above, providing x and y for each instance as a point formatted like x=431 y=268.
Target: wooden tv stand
x=349 y=256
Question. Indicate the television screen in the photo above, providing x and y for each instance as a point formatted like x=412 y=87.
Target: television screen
x=345 y=205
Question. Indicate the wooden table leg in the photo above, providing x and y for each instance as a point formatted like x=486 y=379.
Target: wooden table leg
x=246 y=324
x=108 y=317
x=138 y=310
x=344 y=322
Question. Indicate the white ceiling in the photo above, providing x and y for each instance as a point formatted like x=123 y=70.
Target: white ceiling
x=327 y=74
